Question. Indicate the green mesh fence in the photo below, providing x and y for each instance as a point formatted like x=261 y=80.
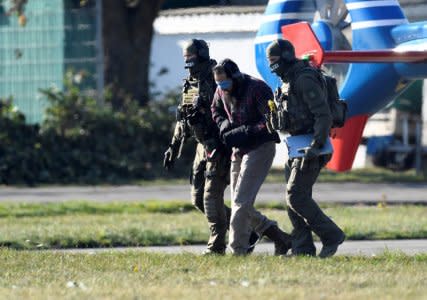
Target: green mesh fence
x=38 y=54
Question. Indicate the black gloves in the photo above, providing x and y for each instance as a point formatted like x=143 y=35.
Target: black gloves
x=239 y=137
x=224 y=127
x=169 y=158
x=310 y=153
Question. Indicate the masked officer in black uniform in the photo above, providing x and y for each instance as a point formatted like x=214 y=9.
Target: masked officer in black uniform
x=305 y=110
x=210 y=173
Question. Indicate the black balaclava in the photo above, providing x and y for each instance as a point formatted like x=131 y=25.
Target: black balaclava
x=199 y=64
x=285 y=50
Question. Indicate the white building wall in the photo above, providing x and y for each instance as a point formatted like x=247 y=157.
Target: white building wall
x=167 y=53
x=229 y=35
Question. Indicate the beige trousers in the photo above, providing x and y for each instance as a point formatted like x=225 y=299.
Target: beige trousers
x=247 y=175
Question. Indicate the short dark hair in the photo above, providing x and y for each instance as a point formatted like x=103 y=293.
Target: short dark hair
x=219 y=69
x=228 y=67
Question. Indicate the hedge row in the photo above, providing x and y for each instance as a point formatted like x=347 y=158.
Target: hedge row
x=82 y=141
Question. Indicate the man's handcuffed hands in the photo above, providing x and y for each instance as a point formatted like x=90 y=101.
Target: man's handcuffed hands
x=238 y=137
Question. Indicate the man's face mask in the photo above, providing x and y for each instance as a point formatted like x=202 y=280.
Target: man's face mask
x=281 y=69
x=191 y=62
x=224 y=85
x=277 y=66
x=274 y=67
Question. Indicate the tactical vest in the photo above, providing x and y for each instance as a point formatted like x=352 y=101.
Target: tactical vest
x=197 y=98
x=189 y=92
x=296 y=115
x=337 y=106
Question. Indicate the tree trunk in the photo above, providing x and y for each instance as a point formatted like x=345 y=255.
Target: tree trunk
x=127 y=33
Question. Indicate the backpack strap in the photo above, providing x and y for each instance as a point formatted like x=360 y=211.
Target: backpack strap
x=318 y=73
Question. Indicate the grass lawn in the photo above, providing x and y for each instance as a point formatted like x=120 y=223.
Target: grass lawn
x=139 y=275
x=86 y=224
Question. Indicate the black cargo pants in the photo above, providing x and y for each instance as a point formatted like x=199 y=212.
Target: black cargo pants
x=305 y=215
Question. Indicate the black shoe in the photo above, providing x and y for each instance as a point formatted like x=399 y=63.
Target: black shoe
x=282 y=248
x=210 y=252
x=282 y=241
x=330 y=250
x=253 y=240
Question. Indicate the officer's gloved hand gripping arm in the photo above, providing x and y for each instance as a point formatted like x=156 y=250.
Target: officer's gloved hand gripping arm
x=313 y=94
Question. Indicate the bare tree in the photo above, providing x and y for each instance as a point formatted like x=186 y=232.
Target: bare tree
x=127 y=34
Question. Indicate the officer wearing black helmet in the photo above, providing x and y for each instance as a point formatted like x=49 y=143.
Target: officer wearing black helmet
x=305 y=110
x=210 y=171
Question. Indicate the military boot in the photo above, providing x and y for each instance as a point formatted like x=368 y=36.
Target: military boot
x=282 y=241
x=331 y=249
x=302 y=241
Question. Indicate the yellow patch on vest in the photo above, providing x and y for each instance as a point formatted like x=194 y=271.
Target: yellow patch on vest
x=189 y=94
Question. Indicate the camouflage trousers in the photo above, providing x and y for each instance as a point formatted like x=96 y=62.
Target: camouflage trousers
x=210 y=178
x=305 y=215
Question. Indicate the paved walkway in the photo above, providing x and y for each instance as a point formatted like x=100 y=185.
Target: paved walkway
x=366 y=248
x=349 y=193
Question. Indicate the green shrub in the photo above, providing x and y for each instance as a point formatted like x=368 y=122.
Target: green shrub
x=84 y=141
x=19 y=145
